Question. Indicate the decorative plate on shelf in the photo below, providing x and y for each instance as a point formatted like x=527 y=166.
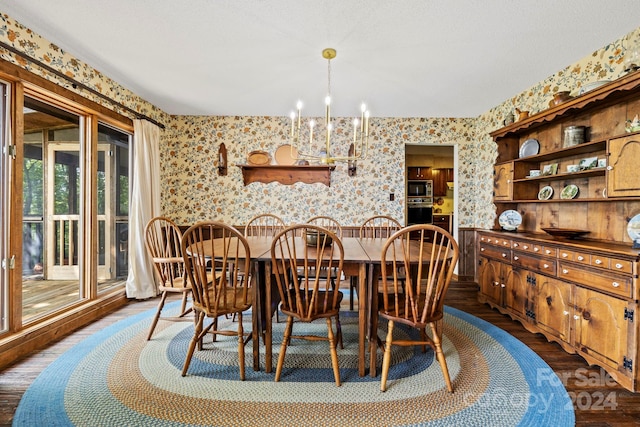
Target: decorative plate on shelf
x=258 y=158
x=286 y=155
x=545 y=193
x=569 y=192
x=510 y=220
x=567 y=233
x=530 y=147
x=633 y=228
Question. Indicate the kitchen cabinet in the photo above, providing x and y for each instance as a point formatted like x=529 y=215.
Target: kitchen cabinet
x=443 y=221
x=440 y=178
x=581 y=293
x=419 y=173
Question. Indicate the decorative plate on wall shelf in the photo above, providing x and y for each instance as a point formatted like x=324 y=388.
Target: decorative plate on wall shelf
x=530 y=147
x=569 y=192
x=545 y=193
x=510 y=220
x=258 y=158
x=286 y=155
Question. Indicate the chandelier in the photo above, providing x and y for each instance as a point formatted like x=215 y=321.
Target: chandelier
x=359 y=145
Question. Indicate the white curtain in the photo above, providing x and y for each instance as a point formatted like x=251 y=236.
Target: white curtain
x=145 y=204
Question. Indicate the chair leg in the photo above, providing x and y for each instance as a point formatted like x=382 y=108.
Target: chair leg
x=183 y=307
x=154 y=322
x=334 y=353
x=441 y=359
x=352 y=290
x=386 y=360
x=339 y=332
x=192 y=345
x=283 y=347
x=241 y=345
x=423 y=337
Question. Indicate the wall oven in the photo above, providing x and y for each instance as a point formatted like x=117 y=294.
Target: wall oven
x=420 y=210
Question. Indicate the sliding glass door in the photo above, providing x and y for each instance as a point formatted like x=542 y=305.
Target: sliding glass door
x=74 y=175
x=5 y=185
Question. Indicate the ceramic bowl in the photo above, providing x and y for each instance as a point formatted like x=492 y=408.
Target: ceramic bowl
x=312 y=238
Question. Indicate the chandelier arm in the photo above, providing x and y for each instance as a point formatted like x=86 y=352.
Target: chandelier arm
x=360 y=142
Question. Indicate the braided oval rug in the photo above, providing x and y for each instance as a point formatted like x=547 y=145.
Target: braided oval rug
x=117 y=378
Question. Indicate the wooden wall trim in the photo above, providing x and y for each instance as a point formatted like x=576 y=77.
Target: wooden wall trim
x=40 y=336
x=14 y=73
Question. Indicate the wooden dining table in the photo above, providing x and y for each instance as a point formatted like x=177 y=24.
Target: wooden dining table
x=362 y=260
x=354 y=265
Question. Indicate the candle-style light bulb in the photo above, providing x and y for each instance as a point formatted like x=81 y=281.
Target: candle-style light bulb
x=311 y=125
x=299 y=107
x=293 y=121
x=355 y=129
x=366 y=125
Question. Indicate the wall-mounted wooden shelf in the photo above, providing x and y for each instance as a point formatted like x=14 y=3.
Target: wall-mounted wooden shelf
x=287 y=174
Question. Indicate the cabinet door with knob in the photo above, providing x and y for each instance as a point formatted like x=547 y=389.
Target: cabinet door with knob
x=622 y=171
x=502 y=177
x=604 y=327
x=554 y=307
x=419 y=173
x=493 y=281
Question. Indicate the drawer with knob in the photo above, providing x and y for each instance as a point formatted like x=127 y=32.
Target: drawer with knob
x=495 y=252
x=617 y=284
x=534 y=263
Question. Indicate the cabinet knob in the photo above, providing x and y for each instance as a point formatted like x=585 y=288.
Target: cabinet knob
x=547 y=251
x=580 y=258
x=502 y=285
x=496 y=284
x=536 y=249
x=504 y=255
x=576 y=317
x=565 y=271
x=515 y=245
x=545 y=265
x=609 y=168
x=564 y=255
x=516 y=257
x=565 y=312
x=598 y=261
x=618 y=265
x=481 y=249
x=615 y=284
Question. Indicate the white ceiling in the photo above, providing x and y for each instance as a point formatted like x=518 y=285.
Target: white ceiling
x=405 y=58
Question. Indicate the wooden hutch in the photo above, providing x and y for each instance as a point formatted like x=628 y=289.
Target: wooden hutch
x=582 y=293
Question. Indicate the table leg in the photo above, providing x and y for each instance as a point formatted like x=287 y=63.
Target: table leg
x=256 y=318
x=362 y=318
x=268 y=314
x=374 y=274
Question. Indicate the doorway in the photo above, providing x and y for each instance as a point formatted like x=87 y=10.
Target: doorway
x=442 y=161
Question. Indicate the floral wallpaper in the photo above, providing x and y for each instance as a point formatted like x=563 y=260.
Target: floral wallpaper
x=192 y=189
x=196 y=192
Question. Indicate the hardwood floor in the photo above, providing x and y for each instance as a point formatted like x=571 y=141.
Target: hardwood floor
x=598 y=400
